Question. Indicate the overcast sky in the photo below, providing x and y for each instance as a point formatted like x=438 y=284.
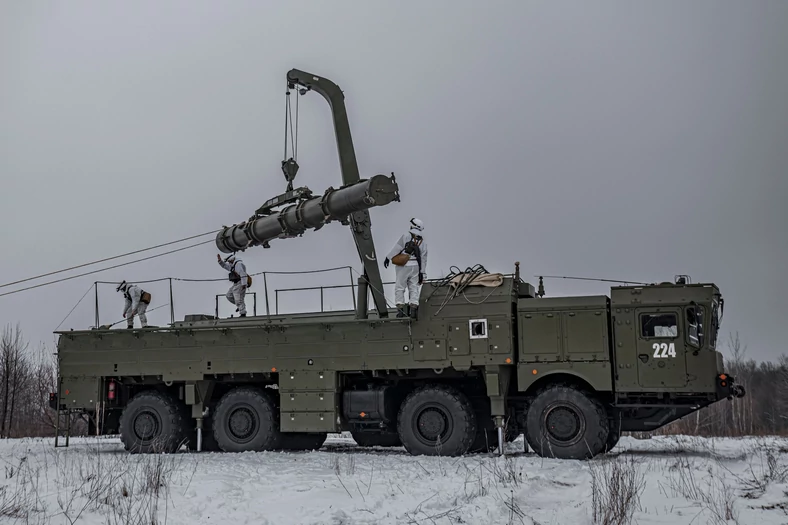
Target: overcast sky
x=614 y=140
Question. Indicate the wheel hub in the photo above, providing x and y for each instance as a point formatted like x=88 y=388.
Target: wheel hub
x=432 y=424
x=242 y=424
x=146 y=425
x=564 y=424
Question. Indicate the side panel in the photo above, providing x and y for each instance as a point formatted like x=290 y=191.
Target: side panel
x=563 y=329
x=624 y=341
x=564 y=335
x=308 y=401
x=540 y=337
x=79 y=391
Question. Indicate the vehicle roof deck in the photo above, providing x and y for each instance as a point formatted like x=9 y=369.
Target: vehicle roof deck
x=334 y=317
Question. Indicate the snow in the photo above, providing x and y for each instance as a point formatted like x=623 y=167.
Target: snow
x=683 y=480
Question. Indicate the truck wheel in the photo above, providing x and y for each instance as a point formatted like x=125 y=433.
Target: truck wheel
x=563 y=422
x=613 y=435
x=303 y=440
x=152 y=422
x=245 y=419
x=369 y=439
x=436 y=420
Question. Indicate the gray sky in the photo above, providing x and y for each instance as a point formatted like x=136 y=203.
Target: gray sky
x=613 y=140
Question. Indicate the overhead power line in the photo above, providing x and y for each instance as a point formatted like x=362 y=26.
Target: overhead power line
x=107 y=268
x=105 y=260
x=590 y=279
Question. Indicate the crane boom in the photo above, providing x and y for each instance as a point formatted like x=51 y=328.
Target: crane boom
x=349 y=204
x=360 y=222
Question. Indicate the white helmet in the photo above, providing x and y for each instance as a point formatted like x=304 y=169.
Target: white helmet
x=416 y=226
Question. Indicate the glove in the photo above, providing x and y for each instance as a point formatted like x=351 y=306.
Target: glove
x=386 y=262
x=124 y=315
x=218 y=257
x=421 y=278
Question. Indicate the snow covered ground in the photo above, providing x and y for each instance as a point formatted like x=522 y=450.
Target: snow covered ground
x=668 y=480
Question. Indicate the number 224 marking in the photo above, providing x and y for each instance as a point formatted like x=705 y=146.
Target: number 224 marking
x=664 y=350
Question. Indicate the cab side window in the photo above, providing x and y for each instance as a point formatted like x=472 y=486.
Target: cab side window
x=695 y=325
x=658 y=325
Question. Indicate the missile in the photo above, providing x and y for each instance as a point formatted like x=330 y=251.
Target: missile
x=306 y=212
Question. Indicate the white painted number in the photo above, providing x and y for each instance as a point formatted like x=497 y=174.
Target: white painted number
x=664 y=350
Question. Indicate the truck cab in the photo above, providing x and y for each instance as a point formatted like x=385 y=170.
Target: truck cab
x=665 y=338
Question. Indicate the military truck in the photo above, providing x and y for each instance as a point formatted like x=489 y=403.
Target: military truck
x=487 y=358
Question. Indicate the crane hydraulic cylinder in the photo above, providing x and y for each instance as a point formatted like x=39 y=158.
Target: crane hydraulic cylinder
x=312 y=213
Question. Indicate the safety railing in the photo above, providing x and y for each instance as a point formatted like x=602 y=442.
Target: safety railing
x=254 y=302
x=322 y=293
x=263 y=276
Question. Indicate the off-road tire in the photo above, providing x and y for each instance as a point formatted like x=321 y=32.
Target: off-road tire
x=436 y=411
x=369 y=439
x=246 y=419
x=566 y=423
x=614 y=434
x=303 y=440
x=152 y=422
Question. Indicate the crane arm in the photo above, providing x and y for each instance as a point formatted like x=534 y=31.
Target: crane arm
x=360 y=222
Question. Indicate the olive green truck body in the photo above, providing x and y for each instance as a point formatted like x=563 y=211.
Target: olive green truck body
x=570 y=373
x=484 y=360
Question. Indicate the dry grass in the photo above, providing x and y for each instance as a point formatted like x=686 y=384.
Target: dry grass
x=715 y=496
x=616 y=486
x=126 y=489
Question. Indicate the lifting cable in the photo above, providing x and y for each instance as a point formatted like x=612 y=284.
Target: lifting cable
x=107 y=259
x=292 y=127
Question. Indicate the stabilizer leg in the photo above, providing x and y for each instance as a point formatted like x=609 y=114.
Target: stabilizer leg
x=499 y=428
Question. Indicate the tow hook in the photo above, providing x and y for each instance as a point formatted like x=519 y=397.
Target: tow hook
x=737 y=391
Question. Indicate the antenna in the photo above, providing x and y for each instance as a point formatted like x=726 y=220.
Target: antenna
x=590 y=279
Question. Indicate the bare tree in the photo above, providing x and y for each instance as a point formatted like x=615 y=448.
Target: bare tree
x=13 y=371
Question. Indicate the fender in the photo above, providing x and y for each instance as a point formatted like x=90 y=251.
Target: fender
x=596 y=375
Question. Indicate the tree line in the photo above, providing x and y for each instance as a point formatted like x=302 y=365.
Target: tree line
x=762 y=411
x=27 y=377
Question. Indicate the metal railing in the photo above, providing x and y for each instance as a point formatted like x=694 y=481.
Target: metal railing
x=322 y=295
x=254 y=302
x=353 y=288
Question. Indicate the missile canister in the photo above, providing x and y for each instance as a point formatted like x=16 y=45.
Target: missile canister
x=309 y=214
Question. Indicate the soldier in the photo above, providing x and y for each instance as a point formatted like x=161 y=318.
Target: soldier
x=409 y=255
x=240 y=280
x=137 y=301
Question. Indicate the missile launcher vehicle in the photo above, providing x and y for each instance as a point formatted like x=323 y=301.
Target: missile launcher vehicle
x=487 y=358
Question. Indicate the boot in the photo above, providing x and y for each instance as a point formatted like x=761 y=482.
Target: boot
x=414 y=312
x=130 y=327
x=402 y=310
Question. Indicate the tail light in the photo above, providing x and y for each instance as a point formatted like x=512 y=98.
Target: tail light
x=111 y=390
